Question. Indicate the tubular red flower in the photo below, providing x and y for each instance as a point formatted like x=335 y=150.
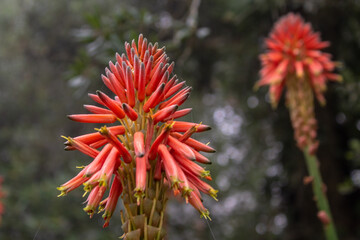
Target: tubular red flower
x=180 y=148
x=93 y=118
x=170 y=166
x=139 y=146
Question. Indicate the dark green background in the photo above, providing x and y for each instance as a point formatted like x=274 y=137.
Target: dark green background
x=53 y=52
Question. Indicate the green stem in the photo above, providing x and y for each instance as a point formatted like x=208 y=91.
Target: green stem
x=320 y=196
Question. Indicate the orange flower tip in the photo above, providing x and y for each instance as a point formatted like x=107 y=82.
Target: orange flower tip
x=205 y=174
x=176 y=191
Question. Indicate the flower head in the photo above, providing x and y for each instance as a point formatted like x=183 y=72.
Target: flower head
x=150 y=150
x=294 y=51
x=294 y=59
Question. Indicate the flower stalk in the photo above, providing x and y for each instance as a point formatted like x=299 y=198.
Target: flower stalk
x=319 y=190
x=294 y=61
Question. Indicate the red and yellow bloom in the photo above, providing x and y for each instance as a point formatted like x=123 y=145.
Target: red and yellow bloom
x=294 y=60
x=147 y=153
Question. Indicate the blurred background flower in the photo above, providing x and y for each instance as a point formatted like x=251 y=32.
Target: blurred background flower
x=52 y=52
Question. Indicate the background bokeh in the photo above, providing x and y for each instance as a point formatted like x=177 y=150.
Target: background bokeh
x=53 y=52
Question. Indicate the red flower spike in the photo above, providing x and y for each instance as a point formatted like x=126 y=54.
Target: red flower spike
x=294 y=49
x=111 y=104
x=145 y=97
x=116 y=143
x=97 y=110
x=294 y=60
x=180 y=148
x=111 y=202
x=130 y=112
x=170 y=166
x=93 y=118
x=82 y=147
x=139 y=146
x=154 y=99
x=165 y=113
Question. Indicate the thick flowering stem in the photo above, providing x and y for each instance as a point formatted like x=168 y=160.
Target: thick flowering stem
x=146 y=157
x=319 y=189
x=295 y=60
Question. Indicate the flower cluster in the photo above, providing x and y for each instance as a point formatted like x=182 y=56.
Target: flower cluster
x=149 y=151
x=294 y=59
